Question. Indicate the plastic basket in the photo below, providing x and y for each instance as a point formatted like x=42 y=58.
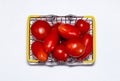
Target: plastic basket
x=51 y=19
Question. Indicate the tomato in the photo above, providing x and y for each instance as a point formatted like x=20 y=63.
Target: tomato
x=56 y=25
x=83 y=26
x=38 y=51
x=59 y=53
x=68 y=31
x=88 y=41
x=51 y=40
x=75 y=47
x=40 y=29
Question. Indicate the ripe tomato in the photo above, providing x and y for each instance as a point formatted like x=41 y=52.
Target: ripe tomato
x=51 y=40
x=56 y=25
x=75 y=48
x=38 y=51
x=68 y=31
x=59 y=53
x=88 y=41
x=40 y=29
x=83 y=26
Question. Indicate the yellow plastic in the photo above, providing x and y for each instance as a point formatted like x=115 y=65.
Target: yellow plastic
x=28 y=40
x=94 y=41
x=36 y=61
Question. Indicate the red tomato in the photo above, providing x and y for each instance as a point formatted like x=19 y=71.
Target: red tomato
x=59 y=53
x=75 y=48
x=38 y=51
x=56 y=25
x=51 y=40
x=40 y=29
x=68 y=31
x=83 y=26
x=88 y=41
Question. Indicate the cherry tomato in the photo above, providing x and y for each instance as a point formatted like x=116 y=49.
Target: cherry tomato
x=51 y=40
x=75 y=48
x=68 y=31
x=40 y=29
x=56 y=25
x=38 y=51
x=83 y=26
x=59 y=53
x=88 y=41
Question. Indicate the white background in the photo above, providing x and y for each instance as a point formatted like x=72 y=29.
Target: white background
x=13 y=16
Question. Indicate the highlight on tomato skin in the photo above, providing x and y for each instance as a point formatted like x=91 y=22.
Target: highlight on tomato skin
x=38 y=51
x=83 y=26
x=88 y=41
x=59 y=54
x=75 y=48
x=68 y=31
x=40 y=29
